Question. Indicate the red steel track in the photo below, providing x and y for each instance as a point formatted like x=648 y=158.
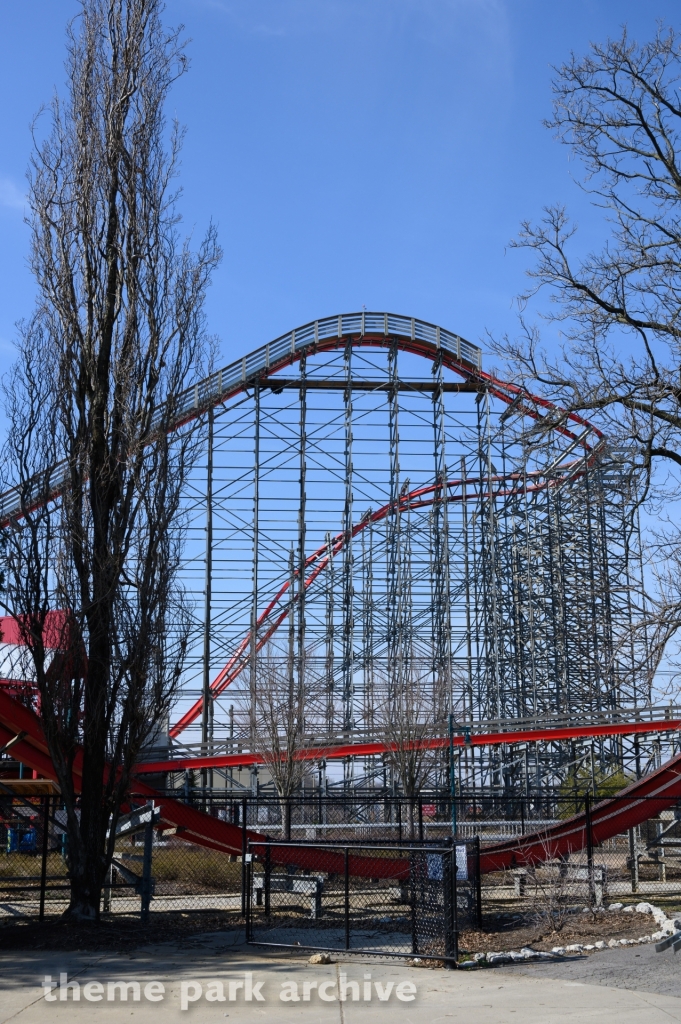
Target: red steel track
x=366 y=330
x=608 y=818
x=276 y=612
x=262 y=364
x=336 y=751
x=274 y=615
x=642 y=800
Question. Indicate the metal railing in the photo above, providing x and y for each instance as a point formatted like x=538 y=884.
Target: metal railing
x=414 y=906
x=233 y=378
x=241 y=743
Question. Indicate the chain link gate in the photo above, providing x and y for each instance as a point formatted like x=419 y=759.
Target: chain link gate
x=372 y=899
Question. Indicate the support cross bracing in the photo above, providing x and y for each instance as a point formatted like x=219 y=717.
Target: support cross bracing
x=503 y=578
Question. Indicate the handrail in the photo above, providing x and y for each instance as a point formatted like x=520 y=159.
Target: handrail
x=237 y=376
x=665 y=715
x=371 y=748
x=638 y=802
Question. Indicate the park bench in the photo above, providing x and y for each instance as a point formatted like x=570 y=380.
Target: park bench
x=309 y=887
x=568 y=875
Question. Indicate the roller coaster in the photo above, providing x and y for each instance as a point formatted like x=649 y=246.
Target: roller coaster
x=369 y=514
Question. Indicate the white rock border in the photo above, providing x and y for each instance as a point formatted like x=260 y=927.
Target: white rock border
x=666 y=926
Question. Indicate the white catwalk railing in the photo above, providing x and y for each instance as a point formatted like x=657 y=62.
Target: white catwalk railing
x=239 y=743
x=193 y=402
x=487 y=830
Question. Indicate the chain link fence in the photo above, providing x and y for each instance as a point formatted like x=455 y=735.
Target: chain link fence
x=642 y=864
x=33 y=871
x=378 y=899
x=158 y=870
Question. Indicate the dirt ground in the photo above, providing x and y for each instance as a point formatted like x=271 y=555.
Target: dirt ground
x=124 y=932
x=512 y=931
x=120 y=933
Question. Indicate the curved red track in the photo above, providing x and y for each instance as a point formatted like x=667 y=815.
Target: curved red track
x=276 y=612
x=337 y=751
x=384 y=331
x=609 y=818
x=274 y=615
x=640 y=801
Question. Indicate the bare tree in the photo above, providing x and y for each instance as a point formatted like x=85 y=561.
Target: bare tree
x=117 y=330
x=406 y=717
x=617 y=309
x=283 y=696
x=551 y=890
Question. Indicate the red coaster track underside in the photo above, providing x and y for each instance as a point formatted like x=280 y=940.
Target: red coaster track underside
x=638 y=802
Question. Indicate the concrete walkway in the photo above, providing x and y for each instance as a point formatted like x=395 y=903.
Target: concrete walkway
x=589 y=990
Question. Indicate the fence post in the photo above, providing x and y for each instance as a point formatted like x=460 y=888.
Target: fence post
x=267 y=881
x=522 y=816
x=633 y=858
x=43 y=866
x=412 y=902
x=589 y=847
x=659 y=827
x=106 y=895
x=246 y=862
x=454 y=910
x=478 y=881
x=420 y=819
x=456 y=904
x=244 y=840
x=399 y=819
x=146 y=872
x=347 y=896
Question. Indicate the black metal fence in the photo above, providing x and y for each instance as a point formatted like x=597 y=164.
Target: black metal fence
x=642 y=864
x=406 y=901
x=33 y=872
x=386 y=817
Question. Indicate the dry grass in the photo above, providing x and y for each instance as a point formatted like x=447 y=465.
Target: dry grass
x=206 y=869
x=28 y=865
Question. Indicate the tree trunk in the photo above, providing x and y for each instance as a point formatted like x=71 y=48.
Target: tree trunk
x=410 y=817
x=117 y=331
x=285 y=804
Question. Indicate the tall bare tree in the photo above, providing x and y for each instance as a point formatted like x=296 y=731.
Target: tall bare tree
x=117 y=330
x=288 y=701
x=407 y=719
x=618 y=308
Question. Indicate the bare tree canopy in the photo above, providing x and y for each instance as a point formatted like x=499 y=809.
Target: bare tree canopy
x=117 y=331
x=408 y=717
x=618 y=309
x=619 y=110
x=287 y=702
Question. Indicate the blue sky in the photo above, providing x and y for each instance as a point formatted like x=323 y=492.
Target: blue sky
x=376 y=152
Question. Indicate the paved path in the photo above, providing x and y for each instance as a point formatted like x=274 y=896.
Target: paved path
x=574 y=993
x=128 y=904
x=637 y=968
